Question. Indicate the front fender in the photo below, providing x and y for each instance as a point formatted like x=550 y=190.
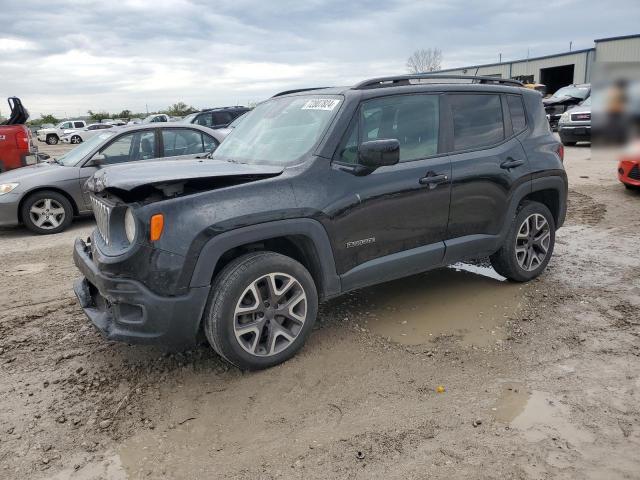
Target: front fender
x=311 y=229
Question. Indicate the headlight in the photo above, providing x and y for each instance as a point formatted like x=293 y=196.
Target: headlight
x=564 y=118
x=130 y=225
x=7 y=187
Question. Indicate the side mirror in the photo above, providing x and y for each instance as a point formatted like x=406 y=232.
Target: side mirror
x=96 y=161
x=379 y=153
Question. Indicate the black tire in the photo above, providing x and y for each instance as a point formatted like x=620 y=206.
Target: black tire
x=56 y=222
x=76 y=139
x=505 y=260
x=631 y=187
x=227 y=292
x=52 y=139
x=569 y=144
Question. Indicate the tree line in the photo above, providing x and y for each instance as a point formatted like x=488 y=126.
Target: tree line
x=179 y=109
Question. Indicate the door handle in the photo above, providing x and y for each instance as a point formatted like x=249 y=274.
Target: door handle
x=511 y=163
x=433 y=180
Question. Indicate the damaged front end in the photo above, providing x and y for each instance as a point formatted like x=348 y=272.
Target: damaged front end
x=156 y=180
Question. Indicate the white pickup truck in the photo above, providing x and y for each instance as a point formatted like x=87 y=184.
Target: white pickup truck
x=53 y=135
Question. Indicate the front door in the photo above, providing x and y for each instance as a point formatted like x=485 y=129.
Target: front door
x=400 y=212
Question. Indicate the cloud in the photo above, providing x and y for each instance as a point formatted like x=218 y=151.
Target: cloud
x=78 y=55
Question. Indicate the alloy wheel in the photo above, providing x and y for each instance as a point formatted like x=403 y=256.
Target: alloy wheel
x=47 y=214
x=270 y=314
x=75 y=139
x=532 y=242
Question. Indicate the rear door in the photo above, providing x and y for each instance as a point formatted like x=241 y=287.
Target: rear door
x=487 y=160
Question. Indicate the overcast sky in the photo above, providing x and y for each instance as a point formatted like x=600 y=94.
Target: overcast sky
x=65 y=57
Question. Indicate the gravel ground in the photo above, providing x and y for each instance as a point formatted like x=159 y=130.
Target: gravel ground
x=404 y=380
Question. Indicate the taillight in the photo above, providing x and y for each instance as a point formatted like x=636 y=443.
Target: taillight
x=560 y=152
x=22 y=139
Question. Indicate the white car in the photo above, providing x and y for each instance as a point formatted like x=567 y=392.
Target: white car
x=157 y=117
x=53 y=135
x=79 y=136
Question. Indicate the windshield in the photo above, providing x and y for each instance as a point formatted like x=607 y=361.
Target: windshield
x=279 y=131
x=575 y=92
x=74 y=156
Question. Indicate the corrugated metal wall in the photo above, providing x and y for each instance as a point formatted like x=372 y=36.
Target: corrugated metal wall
x=617 y=50
x=532 y=67
x=622 y=50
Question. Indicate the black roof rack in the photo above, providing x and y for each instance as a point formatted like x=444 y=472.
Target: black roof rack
x=297 y=90
x=434 y=78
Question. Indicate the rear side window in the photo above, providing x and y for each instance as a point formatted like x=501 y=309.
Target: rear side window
x=78 y=124
x=183 y=141
x=477 y=120
x=411 y=119
x=516 y=110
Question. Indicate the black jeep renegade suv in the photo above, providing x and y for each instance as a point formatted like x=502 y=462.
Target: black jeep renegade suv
x=314 y=194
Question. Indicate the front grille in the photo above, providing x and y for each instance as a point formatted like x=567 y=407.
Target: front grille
x=580 y=117
x=634 y=173
x=102 y=212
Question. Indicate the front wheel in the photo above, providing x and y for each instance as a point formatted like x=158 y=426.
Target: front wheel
x=528 y=245
x=46 y=212
x=261 y=309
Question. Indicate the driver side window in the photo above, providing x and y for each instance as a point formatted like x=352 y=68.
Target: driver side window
x=413 y=120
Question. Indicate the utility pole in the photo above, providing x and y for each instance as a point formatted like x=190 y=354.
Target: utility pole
x=500 y=58
x=570 y=45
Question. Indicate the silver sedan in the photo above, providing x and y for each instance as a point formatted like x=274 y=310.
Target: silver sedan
x=45 y=197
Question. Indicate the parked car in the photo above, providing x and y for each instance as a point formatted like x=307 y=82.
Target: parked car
x=155 y=118
x=79 y=136
x=227 y=130
x=563 y=99
x=575 y=124
x=52 y=135
x=45 y=197
x=216 y=117
x=16 y=146
x=629 y=167
x=314 y=194
x=134 y=121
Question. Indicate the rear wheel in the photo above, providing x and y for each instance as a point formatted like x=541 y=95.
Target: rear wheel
x=46 y=212
x=76 y=139
x=528 y=245
x=261 y=309
x=52 y=139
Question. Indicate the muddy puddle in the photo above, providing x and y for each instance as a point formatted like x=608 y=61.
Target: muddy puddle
x=467 y=301
x=511 y=403
x=537 y=415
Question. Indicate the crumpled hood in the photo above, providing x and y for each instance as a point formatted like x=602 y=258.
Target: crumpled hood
x=158 y=172
x=558 y=100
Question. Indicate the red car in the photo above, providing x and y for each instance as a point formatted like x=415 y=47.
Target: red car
x=16 y=146
x=629 y=167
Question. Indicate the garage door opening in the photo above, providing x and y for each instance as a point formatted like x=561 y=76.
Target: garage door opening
x=556 y=77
